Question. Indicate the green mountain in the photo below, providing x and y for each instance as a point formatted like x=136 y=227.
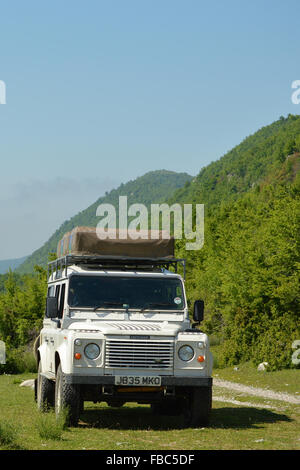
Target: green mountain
x=246 y=166
x=153 y=187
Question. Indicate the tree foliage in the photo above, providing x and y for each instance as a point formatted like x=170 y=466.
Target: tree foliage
x=22 y=305
x=248 y=275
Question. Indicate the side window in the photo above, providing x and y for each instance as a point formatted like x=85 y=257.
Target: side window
x=57 y=290
x=62 y=301
x=51 y=291
x=178 y=291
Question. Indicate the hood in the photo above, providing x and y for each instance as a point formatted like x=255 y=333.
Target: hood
x=127 y=328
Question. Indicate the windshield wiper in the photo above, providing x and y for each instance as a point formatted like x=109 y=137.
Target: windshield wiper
x=113 y=304
x=125 y=306
x=155 y=305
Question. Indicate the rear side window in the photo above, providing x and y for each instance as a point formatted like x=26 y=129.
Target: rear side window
x=57 y=291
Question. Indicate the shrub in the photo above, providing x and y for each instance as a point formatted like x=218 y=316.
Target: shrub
x=18 y=361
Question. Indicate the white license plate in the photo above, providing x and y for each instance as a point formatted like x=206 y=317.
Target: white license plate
x=137 y=381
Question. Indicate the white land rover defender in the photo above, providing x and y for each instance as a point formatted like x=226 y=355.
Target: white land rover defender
x=116 y=330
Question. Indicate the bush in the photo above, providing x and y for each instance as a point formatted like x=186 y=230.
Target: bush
x=276 y=343
x=18 y=361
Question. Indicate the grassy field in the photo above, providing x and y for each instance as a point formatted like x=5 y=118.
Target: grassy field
x=254 y=423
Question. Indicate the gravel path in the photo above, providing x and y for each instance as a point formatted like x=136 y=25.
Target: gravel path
x=258 y=392
x=224 y=399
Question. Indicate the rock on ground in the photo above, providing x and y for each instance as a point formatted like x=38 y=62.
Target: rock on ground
x=28 y=383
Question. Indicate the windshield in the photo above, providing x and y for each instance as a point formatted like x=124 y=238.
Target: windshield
x=125 y=292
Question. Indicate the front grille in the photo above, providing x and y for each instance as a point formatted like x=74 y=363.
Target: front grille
x=139 y=354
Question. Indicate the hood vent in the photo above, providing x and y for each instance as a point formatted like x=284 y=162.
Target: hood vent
x=135 y=326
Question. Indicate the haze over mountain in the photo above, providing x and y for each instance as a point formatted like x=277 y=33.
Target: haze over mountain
x=7 y=264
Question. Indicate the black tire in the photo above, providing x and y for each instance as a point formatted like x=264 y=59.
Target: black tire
x=198 y=407
x=44 y=391
x=67 y=399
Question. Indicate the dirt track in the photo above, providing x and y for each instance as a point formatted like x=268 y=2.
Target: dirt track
x=254 y=391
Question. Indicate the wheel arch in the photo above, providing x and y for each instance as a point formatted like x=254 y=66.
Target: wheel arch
x=57 y=361
x=62 y=357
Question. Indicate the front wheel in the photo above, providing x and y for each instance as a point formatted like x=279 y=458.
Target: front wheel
x=198 y=406
x=67 y=399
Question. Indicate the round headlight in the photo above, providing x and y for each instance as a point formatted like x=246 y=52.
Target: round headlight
x=186 y=353
x=92 y=351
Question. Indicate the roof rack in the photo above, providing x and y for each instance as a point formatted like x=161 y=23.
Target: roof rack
x=114 y=262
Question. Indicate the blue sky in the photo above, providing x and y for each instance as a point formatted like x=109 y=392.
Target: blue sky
x=100 y=92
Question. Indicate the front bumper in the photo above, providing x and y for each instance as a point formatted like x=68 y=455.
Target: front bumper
x=166 y=381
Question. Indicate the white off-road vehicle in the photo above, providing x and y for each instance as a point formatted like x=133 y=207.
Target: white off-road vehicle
x=117 y=330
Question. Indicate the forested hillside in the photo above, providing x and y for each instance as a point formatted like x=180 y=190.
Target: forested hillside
x=153 y=187
x=255 y=160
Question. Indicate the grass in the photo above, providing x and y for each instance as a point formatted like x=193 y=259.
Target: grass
x=133 y=427
x=8 y=436
x=49 y=428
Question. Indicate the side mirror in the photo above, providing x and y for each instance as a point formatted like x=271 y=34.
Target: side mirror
x=51 y=307
x=198 y=313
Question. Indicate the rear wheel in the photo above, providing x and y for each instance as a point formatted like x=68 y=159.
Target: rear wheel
x=67 y=399
x=44 y=391
x=198 y=406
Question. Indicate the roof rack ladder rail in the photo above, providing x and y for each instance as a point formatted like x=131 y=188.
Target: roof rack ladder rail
x=67 y=260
